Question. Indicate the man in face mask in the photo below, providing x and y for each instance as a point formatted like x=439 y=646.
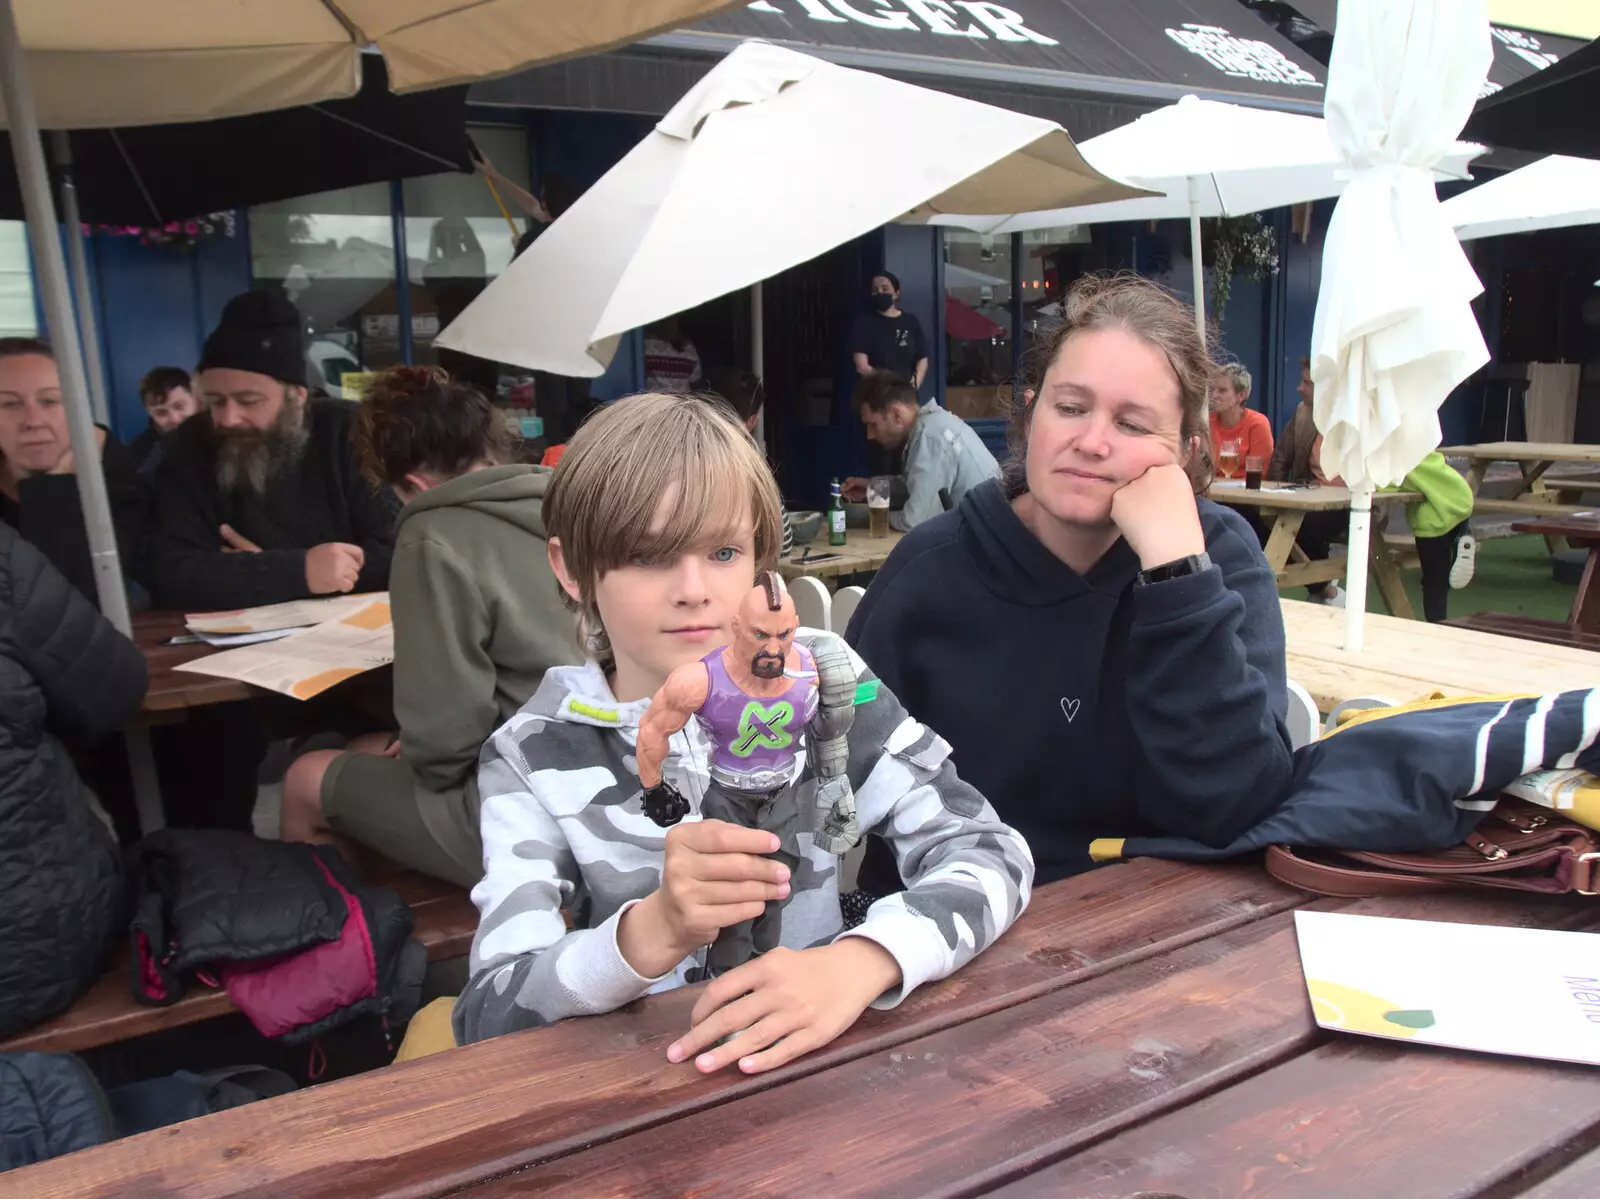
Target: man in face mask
x=887 y=339
x=261 y=501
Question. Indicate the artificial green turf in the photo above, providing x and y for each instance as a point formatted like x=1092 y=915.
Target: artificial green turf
x=1513 y=575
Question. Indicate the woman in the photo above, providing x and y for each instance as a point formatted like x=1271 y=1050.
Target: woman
x=478 y=619
x=64 y=672
x=1103 y=649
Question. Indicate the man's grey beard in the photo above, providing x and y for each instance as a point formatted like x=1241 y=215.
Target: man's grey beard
x=249 y=464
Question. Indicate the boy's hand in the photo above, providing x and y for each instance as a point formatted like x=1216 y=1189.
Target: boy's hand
x=714 y=876
x=785 y=1003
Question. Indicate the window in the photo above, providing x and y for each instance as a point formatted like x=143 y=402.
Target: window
x=977 y=322
x=333 y=253
x=458 y=239
x=17 y=317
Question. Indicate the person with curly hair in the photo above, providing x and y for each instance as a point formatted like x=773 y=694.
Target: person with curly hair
x=478 y=619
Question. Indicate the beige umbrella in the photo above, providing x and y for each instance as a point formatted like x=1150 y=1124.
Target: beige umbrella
x=95 y=63
x=83 y=64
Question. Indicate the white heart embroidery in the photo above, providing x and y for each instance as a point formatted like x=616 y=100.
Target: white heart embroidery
x=1069 y=709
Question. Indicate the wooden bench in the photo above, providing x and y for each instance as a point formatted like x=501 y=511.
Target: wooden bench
x=108 y=1012
x=1529 y=628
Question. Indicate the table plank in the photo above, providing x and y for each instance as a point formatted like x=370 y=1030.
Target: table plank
x=1354 y=1117
x=171 y=689
x=952 y=1112
x=1321 y=498
x=1406 y=659
x=1580 y=1180
x=487 y=1109
x=860 y=554
x=1524 y=451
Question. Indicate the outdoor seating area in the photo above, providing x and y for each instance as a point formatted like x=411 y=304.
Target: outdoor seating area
x=802 y=598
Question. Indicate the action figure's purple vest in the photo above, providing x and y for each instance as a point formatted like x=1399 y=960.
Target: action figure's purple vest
x=754 y=738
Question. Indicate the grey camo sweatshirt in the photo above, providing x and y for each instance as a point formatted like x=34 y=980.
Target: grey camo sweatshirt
x=563 y=828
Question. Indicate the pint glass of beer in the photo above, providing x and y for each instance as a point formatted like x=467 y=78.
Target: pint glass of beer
x=878 y=506
x=1228 y=459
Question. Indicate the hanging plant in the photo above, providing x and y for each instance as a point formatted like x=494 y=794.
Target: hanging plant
x=177 y=235
x=1242 y=247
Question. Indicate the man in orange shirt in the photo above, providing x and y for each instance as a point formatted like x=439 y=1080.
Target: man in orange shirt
x=1232 y=421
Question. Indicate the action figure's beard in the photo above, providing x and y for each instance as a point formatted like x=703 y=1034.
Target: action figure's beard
x=767 y=666
x=248 y=461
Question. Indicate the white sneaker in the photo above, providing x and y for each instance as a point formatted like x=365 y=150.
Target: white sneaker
x=1462 y=568
x=1336 y=600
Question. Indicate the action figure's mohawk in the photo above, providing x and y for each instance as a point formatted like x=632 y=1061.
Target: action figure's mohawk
x=772 y=581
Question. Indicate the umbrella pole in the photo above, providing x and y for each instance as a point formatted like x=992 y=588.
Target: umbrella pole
x=33 y=182
x=1194 y=254
x=79 y=262
x=758 y=356
x=1355 y=599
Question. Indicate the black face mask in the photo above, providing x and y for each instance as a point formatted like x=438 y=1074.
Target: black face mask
x=882 y=301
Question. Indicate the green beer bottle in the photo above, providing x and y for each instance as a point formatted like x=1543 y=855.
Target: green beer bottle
x=835 y=514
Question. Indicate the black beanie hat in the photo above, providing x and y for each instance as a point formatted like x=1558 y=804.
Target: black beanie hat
x=260 y=331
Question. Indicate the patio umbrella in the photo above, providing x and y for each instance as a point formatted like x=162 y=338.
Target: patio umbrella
x=1207 y=158
x=81 y=64
x=95 y=63
x=1548 y=113
x=740 y=181
x=1394 y=330
x=1549 y=194
x=152 y=174
x=965 y=323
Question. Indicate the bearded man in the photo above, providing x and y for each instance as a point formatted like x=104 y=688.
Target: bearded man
x=262 y=501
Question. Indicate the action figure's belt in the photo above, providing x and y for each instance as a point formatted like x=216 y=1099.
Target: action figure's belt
x=752 y=780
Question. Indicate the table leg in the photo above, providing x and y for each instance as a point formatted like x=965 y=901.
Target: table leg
x=1280 y=542
x=1533 y=489
x=1386 y=572
x=1586 y=604
x=146 y=783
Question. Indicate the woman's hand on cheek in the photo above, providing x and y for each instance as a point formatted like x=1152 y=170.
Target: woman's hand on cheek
x=785 y=1003
x=1157 y=516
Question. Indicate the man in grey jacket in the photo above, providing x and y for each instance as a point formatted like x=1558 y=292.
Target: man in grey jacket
x=944 y=454
x=477 y=622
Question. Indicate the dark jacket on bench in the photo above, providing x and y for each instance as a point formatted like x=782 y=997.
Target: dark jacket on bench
x=64 y=671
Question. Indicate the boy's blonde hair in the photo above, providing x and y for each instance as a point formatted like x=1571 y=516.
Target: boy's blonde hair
x=610 y=482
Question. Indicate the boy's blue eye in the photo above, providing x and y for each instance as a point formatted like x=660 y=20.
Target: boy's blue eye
x=726 y=554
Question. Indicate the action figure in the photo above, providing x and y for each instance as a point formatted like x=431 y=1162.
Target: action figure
x=754 y=698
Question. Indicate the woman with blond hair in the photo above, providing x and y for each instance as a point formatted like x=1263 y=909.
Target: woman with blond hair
x=1102 y=646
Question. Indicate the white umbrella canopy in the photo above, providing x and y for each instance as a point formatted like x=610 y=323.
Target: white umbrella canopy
x=742 y=180
x=1208 y=158
x=1549 y=194
x=1394 y=331
x=1244 y=160
x=97 y=63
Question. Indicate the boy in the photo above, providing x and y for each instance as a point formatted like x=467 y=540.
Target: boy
x=660 y=515
x=168 y=402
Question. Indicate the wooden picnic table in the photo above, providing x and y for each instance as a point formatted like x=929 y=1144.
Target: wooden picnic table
x=1537 y=496
x=1143 y=1029
x=861 y=553
x=1289 y=505
x=1408 y=659
x=1581 y=528
x=170 y=689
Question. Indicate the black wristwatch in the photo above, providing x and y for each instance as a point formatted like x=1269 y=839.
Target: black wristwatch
x=1192 y=565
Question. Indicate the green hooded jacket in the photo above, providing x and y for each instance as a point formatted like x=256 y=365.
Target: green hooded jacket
x=1446 y=497
x=478 y=619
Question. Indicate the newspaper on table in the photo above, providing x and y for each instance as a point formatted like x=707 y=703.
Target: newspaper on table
x=296 y=614
x=1528 y=992
x=307 y=663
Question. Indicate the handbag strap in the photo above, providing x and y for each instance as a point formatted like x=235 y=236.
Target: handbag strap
x=1323 y=878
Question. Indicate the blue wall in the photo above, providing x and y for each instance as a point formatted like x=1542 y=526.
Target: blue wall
x=154 y=307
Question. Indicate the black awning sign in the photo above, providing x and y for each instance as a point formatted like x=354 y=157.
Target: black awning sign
x=1187 y=43
x=1242 y=58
